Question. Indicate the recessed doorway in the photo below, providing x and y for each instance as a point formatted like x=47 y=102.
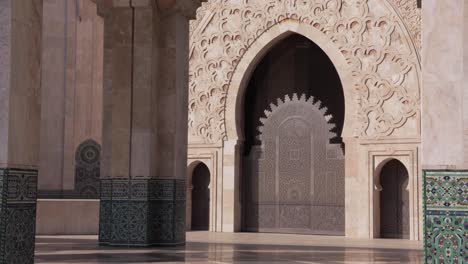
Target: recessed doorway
x=200 y=218
x=293 y=157
x=394 y=201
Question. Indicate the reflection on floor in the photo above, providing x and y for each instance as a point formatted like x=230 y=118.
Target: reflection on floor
x=205 y=247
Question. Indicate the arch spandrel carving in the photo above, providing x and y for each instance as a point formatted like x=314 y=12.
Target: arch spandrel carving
x=376 y=43
x=411 y=14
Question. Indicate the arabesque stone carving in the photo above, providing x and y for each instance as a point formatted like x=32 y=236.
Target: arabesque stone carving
x=411 y=14
x=378 y=39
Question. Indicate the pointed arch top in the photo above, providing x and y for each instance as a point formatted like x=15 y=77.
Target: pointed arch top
x=192 y=165
x=251 y=58
x=370 y=45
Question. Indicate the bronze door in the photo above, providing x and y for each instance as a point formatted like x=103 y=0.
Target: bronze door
x=294 y=180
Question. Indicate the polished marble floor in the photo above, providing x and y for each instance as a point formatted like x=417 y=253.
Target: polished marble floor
x=205 y=247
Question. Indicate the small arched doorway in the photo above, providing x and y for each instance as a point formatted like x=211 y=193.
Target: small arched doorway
x=200 y=215
x=394 y=201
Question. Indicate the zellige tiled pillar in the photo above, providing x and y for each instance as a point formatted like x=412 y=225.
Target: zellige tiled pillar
x=172 y=58
x=20 y=72
x=145 y=122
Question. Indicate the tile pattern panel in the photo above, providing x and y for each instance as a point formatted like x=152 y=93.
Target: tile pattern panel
x=446 y=216
x=18 y=195
x=87 y=170
x=142 y=212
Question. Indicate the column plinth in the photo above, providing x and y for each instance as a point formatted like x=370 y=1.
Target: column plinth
x=18 y=193
x=142 y=212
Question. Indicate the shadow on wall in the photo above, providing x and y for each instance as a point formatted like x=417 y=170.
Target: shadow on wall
x=200 y=215
x=394 y=201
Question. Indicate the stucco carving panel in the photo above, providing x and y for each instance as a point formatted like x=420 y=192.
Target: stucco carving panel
x=376 y=41
x=411 y=14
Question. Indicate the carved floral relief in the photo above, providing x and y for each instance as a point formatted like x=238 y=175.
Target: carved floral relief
x=379 y=39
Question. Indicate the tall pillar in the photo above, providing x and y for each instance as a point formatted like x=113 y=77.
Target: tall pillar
x=57 y=36
x=445 y=156
x=20 y=71
x=171 y=112
x=145 y=122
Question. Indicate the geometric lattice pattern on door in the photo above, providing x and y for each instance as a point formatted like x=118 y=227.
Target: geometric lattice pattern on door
x=294 y=180
x=87 y=170
x=446 y=216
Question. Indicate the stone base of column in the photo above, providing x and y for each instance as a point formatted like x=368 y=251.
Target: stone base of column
x=445 y=216
x=18 y=191
x=148 y=212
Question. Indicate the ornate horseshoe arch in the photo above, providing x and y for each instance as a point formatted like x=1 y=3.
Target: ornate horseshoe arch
x=248 y=63
x=374 y=46
x=378 y=60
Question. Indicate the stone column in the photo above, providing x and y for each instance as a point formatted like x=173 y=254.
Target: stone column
x=171 y=112
x=83 y=117
x=145 y=122
x=57 y=60
x=444 y=111
x=232 y=205
x=20 y=71
x=118 y=35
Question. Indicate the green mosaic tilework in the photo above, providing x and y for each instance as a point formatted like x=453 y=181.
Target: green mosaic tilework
x=446 y=216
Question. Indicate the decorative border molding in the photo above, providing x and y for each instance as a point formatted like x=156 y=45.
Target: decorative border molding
x=408 y=156
x=210 y=157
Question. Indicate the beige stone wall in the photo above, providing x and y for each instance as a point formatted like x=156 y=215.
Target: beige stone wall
x=83 y=118
x=172 y=94
x=5 y=72
x=117 y=92
x=465 y=82
x=72 y=94
x=145 y=89
x=444 y=84
x=67 y=217
x=56 y=58
x=20 y=67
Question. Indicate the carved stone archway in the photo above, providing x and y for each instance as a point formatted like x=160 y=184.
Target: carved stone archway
x=393 y=200
x=245 y=68
x=374 y=46
x=375 y=43
x=191 y=170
